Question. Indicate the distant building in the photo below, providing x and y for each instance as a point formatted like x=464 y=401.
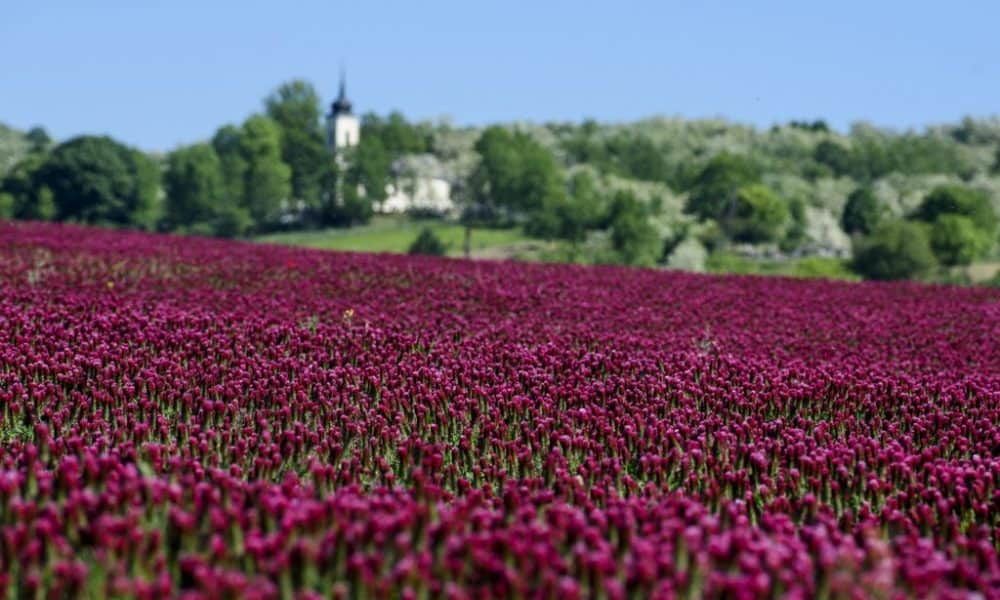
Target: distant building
x=343 y=129
x=419 y=183
x=422 y=194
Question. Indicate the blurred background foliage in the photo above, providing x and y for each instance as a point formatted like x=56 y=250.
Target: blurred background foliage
x=708 y=195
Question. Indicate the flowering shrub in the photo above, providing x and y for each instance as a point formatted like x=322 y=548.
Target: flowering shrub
x=198 y=418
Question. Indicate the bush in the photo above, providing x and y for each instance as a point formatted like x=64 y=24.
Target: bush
x=231 y=221
x=956 y=240
x=714 y=192
x=427 y=243
x=6 y=206
x=760 y=215
x=634 y=239
x=862 y=212
x=958 y=200
x=796 y=233
x=895 y=250
x=833 y=155
x=97 y=180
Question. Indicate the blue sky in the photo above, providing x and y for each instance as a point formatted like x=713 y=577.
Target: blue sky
x=157 y=74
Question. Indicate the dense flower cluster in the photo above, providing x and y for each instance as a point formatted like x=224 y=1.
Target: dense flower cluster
x=217 y=419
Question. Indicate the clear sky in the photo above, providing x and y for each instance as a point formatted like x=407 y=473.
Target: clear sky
x=160 y=73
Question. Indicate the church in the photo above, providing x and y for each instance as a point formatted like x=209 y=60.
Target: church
x=417 y=182
x=343 y=129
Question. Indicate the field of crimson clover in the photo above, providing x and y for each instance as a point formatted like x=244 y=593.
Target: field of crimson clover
x=199 y=418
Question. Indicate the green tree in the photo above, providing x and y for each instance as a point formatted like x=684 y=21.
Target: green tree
x=863 y=211
x=365 y=181
x=637 y=156
x=583 y=146
x=6 y=206
x=266 y=181
x=582 y=211
x=39 y=139
x=894 y=250
x=632 y=235
x=796 y=233
x=958 y=200
x=516 y=178
x=28 y=198
x=295 y=107
x=329 y=210
x=759 y=216
x=194 y=187
x=397 y=135
x=354 y=207
x=956 y=240
x=834 y=155
x=226 y=144
x=94 y=179
x=149 y=177
x=715 y=192
x=428 y=243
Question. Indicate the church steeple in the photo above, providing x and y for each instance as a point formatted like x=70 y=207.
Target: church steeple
x=343 y=128
x=341 y=106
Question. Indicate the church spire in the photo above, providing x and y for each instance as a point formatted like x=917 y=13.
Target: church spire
x=342 y=106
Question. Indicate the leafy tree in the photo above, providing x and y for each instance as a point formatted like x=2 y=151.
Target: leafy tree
x=582 y=211
x=929 y=153
x=516 y=178
x=266 y=181
x=27 y=197
x=796 y=233
x=870 y=155
x=38 y=138
x=759 y=215
x=996 y=161
x=638 y=156
x=295 y=107
x=226 y=144
x=329 y=210
x=862 y=212
x=353 y=207
x=94 y=179
x=894 y=250
x=632 y=235
x=365 y=181
x=818 y=125
x=194 y=186
x=149 y=176
x=397 y=135
x=231 y=221
x=958 y=200
x=715 y=192
x=834 y=155
x=428 y=243
x=582 y=146
x=875 y=153
x=956 y=240
x=6 y=206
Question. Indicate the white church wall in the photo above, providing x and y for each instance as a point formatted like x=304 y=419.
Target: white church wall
x=346 y=131
x=418 y=193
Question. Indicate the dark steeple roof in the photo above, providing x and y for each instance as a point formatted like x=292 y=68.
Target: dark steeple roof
x=341 y=106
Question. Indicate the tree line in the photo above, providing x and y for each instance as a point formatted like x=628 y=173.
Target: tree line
x=644 y=194
x=270 y=172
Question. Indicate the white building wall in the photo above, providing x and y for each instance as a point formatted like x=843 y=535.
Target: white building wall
x=420 y=193
x=345 y=131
